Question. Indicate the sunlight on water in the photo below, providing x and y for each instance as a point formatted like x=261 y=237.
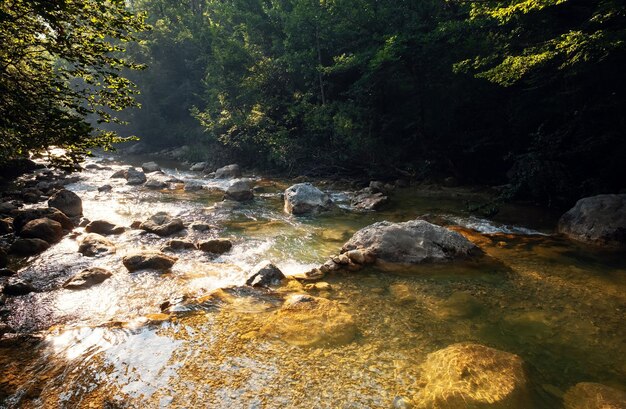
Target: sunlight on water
x=557 y=304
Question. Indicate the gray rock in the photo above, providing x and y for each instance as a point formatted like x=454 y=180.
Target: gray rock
x=120 y=174
x=215 y=246
x=94 y=245
x=150 y=167
x=369 y=201
x=412 y=242
x=45 y=229
x=304 y=198
x=28 y=247
x=7 y=207
x=87 y=278
x=376 y=186
x=105 y=188
x=104 y=228
x=162 y=224
x=135 y=177
x=228 y=172
x=155 y=182
x=240 y=190
x=265 y=274
x=193 y=186
x=150 y=260
x=201 y=227
x=199 y=167
x=67 y=202
x=599 y=220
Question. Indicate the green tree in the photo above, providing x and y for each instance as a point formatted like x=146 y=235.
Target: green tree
x=60 y=64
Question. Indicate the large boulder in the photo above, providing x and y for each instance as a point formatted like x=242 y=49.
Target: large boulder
x=67 y=202
x=22 y=217
x=104 y=228
x=28 y=247
x=94 y=244
x=412 y=242
x=265 y=274
x=469 y=375
x=162 y=224
x=150 y=260
x=304 y=320
x=44 y=229
x=303 y=198
x=87 y=278
x=240 y=190
x=599 y=219
x=134 y=177
x=588 y=395
x=228 y=172
x=150 y=167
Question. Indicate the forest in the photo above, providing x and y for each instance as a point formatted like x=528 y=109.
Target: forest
x=313 y=204
x=525 y=93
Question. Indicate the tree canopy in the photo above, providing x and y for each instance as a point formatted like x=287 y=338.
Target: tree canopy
x=60 y=64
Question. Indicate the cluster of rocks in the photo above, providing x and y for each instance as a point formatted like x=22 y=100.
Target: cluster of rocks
x=389 y=244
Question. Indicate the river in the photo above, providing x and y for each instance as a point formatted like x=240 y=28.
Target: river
x=558 y=304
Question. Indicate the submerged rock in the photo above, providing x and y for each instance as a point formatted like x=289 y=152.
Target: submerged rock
x=599 y=220
x=87 y=278
x=587 y=395
x=470 y=375
x=228 y=172
x=215 y=246
x=94 y=244
x=150 y=167
x=28 y=247
x=304 y=320
x=150 y=260
x=304 y=198
x=104 y=228
x=369 y=201
x=162 y=224
x=265 y=274
x=240 y=190
x=68 y=202
x=45 y=229
x=412 y=242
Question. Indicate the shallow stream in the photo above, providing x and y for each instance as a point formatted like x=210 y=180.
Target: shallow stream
x=560 y=305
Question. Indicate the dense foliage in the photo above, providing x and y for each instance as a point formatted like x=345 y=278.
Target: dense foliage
x=525 y=92
x=60 y=64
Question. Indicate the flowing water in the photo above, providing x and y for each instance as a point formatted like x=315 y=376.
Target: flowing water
x=558 y=304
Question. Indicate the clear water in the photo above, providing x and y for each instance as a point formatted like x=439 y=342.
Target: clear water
x=559 y=305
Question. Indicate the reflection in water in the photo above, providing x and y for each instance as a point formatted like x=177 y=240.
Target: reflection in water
x=557 y=304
